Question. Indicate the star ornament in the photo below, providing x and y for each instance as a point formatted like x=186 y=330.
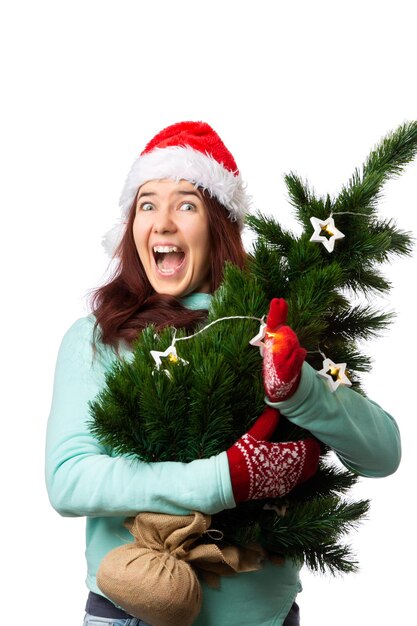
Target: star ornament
x=327 y=226
x=334 y=374
x=258 y=339
x=170 y=353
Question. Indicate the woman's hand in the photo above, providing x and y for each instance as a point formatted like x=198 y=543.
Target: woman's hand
x=283 y=355
x=260 y=469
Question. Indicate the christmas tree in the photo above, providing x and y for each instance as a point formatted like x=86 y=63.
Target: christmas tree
x=183 y=397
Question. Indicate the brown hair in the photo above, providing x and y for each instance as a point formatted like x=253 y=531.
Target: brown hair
x=127 y=302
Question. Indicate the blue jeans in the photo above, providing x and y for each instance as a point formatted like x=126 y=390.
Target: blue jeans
x=292 y=619
x=91 y=620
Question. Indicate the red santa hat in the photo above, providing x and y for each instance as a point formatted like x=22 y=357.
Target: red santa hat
x=190 y=151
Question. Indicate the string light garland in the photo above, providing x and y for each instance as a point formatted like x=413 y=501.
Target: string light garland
x=333 y=373
x=171 y=352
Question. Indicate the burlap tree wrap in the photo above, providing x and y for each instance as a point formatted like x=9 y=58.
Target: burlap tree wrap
x=155 y=577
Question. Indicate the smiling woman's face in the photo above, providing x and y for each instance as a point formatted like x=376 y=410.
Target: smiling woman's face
x=172 y=237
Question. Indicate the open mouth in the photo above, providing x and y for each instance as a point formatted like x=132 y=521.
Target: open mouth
x=168 y=259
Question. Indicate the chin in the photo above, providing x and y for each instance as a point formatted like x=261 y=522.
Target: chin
x=176 y=292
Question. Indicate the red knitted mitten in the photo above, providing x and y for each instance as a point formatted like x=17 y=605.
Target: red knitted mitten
x=283 y=356
x=260 y=469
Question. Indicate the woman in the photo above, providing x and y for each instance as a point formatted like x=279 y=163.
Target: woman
x=183 y=205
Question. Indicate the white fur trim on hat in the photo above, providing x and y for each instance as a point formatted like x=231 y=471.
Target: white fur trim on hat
x=176 y=163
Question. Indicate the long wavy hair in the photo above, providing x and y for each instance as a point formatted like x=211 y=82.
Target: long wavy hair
x=127 y=302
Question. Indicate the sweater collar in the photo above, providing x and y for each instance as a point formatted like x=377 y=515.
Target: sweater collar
x=196 y=301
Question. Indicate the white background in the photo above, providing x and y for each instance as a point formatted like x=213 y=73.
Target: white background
x=305 y=86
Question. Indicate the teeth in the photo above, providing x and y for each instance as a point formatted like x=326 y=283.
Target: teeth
x=166 y=249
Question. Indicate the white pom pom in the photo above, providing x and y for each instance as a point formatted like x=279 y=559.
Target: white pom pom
x=113 y=237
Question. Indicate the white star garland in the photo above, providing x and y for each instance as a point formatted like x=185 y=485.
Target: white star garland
x=333 y=373
x=329 y=226
x=171 y=352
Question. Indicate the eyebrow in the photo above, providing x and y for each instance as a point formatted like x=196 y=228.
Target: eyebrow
x=143 y=194
x=179 y=192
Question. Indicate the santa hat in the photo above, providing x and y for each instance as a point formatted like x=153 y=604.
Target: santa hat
x=191 y=151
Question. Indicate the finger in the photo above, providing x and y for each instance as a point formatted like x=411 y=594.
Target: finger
x=313 y=449
x=265 y=425
x=277 y=315
x=299 y=359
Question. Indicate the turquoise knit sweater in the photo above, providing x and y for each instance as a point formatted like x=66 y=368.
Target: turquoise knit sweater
x=85 y=479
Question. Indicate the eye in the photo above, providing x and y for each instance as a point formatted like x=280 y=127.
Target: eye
x=146 y=206
x=187 y=206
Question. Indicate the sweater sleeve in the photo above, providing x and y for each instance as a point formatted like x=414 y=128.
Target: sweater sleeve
x=83 y=479
x=364 y=436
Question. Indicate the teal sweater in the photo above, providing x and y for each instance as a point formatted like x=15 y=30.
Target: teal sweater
x=84 y=479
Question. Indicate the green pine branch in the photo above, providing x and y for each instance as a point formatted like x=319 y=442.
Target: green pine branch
x=330 y=481
x=315 y=529
x=386 y=161
x=360 y=322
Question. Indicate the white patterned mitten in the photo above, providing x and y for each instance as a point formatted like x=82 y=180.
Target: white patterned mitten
x=262 y=469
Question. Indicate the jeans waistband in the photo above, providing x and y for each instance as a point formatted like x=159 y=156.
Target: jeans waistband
x=102 y=607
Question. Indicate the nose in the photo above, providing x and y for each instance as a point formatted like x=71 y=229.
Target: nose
x=164 y=221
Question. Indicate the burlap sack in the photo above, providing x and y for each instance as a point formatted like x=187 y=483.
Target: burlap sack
x=152 y=578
